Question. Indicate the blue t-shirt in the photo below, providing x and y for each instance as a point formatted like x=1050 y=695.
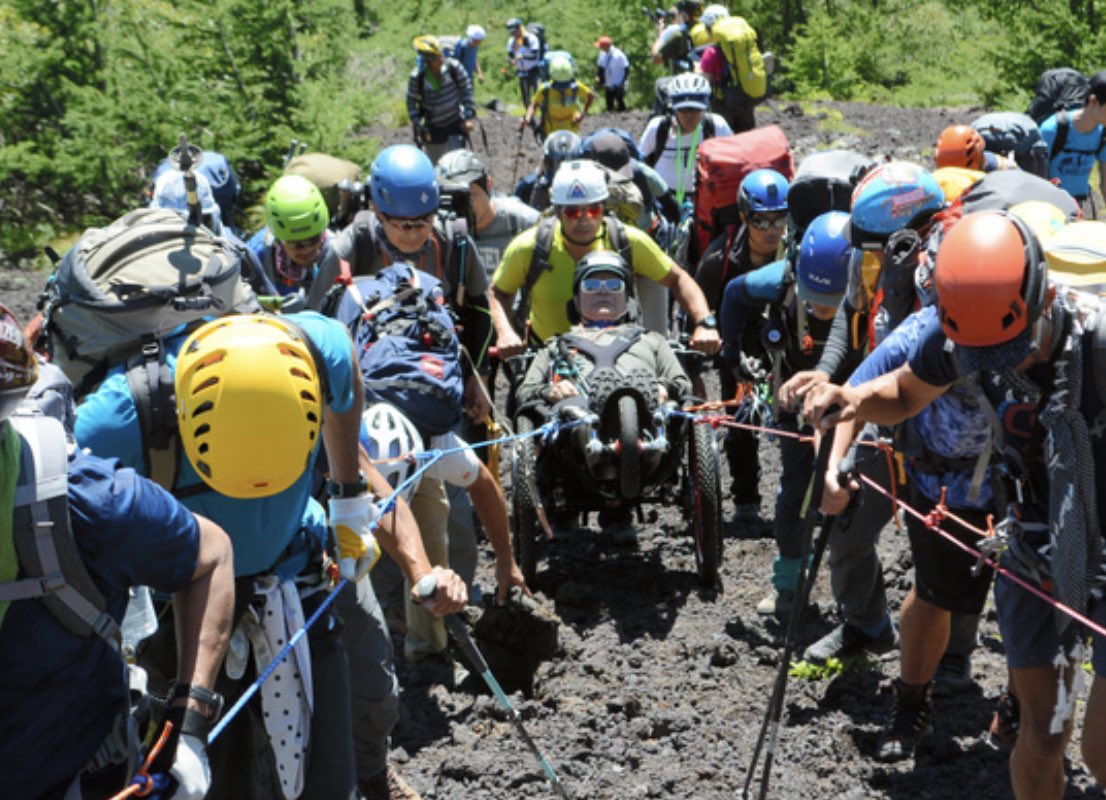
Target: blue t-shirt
x=466 y=53
x=1074 y=163
x=60 y=693
x=935 y=364
x=952 y=427
x=277 y=533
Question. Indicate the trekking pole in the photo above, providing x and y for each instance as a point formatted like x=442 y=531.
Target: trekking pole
x=769 y=728
x=185 y=158
x=461 y=635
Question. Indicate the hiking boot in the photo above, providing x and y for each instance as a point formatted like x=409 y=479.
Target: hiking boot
x=847 y=641
x=436 y=669
x=1003 y=732
x=954 y=673
x=777 y=603
x=912 y=720
x=387 y=785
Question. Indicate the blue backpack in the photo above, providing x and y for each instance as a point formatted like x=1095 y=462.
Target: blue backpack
x=406 y=345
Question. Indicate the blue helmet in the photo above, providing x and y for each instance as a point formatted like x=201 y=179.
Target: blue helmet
x=762 y=190
x=893 y=196
x=403 y=182
x=822 y=271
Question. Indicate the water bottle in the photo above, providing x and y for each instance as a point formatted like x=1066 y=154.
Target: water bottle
x=140 y=621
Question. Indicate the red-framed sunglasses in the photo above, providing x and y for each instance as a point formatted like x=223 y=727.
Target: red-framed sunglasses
x=576 y=212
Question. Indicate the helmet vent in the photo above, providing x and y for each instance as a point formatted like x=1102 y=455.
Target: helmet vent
x=203 y=408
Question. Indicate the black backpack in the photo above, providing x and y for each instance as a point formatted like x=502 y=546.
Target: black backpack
x=1060 y=89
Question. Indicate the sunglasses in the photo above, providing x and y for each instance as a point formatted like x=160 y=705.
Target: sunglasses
x=602 y=285
x=410 y=223
x=576 y=212
x=764 y=223
x=305 y=244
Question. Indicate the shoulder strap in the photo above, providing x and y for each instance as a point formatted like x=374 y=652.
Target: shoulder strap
x=43 y=538
x=620 y=240
x=151 y=386
x=455 y=262
x=539 y=259
x=605 y=356
x=709 y=127
x=663 y=131
x=1063 y=124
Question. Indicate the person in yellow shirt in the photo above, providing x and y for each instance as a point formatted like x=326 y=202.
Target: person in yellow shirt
x=543 y=271
x=562 y=100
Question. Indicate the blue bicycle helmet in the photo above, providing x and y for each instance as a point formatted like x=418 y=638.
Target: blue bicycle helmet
x=403 y=182
x=822 y=271
x=761 y=191
x=893 y=196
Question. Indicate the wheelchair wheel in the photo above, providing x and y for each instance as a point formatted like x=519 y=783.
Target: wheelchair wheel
x=629 y=459
x=705 y=501
x=526 y=529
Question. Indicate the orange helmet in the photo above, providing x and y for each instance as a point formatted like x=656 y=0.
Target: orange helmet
x=991 y=281
x=960 y=146
x=18 y=368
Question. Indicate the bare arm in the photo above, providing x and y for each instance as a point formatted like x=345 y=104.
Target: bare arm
x=692 y=300
x=507 y=340
x=203 y=611
x=886 y=400
x=491 y=507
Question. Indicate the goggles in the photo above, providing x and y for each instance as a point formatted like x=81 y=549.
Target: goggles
x=763 y=223
x=591 y=285
x=305 y=244
x=576 y=212
x=411 y=223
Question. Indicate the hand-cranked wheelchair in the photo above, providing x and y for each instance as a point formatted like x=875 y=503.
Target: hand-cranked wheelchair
x=615 y=445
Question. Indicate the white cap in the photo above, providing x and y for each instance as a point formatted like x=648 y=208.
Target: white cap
x=475 y=33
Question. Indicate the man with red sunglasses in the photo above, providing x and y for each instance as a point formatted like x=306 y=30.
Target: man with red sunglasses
x=540 y=264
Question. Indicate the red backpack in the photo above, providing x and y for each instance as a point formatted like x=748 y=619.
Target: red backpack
x=721 y=164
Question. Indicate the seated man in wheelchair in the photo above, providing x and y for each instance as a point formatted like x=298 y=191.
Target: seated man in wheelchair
x=614 y=378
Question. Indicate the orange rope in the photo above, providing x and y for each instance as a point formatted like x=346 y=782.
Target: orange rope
x=145 y=783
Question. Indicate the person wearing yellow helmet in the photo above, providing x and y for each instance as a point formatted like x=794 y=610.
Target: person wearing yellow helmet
x=563 y=100
x=257 y=398
x=440 y=104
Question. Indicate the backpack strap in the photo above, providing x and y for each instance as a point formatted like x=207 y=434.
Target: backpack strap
x=456 y=257
x=539 y=259
x=151 y=385
x=1063 y=125
x=605 y=356
x=663 y=132
x=709 y=128
x=43 y=538
x=620 y=240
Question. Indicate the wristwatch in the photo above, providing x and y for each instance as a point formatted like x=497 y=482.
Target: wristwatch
x=709 y=321
x=212 y=700
x=355 y=489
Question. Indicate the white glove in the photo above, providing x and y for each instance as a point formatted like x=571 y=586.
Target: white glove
x=351 y=519
x=190 y=769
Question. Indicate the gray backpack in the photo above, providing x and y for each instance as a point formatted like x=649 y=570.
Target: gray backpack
x=147 y=274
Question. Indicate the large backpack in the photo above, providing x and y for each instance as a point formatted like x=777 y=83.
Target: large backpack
x=538 y=30
x=745 y=71
x=721 y=164
x=1011 y=133
x=448 y=43
x=145 y=275
x=338 y=180
x=568 y=95
x=406 y=344
x=1060 y=89
x=824 y=182
x=42 y=547
x=225 y=186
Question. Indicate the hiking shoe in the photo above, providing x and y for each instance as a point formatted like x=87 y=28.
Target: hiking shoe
x=847 y=641
x=387 y=785
x=912 y=720
x=954 y=673
x=777 y=603
x=1003 y=732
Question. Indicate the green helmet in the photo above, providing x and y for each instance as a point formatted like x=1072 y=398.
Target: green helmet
x=561 y=69
x=295 y=209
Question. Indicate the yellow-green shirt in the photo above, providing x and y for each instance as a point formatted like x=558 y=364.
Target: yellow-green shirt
x=559 y=116
x=553 y=289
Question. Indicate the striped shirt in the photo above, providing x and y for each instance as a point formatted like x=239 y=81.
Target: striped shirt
x=443 y=105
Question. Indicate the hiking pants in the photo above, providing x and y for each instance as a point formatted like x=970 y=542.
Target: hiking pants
x=856 y=574
x=742 y=449
x=528 y=84
x=430 y=505
x=462 y=534
x=373 y=687
x=797 y=465
x=616 y=98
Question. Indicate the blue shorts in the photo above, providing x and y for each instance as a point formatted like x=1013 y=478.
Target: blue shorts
x=1028 y=626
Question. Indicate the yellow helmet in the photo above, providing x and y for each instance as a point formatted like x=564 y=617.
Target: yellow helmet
x=1044 y=219
x=954 y=181
x=249 y=404
x=427 y=45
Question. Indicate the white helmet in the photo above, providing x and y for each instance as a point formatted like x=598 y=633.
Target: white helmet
x=387 y=434
x=711 y=14
x=475 y=33
x=579 y=183
x=689 y=90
